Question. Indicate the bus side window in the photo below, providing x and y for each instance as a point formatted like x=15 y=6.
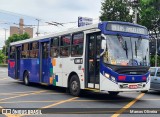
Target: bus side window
x=12 y=52
x=54 y=47
x=65 y=46
x=34 y=47
x=45 y=53
x=77 y=44
x=25 y=51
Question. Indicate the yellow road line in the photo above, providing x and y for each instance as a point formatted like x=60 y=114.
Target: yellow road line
x=3 y=78
x=128 y=105
x=19 y=92
x=22 y=95
x=52 y=105
x=44 y=101
x=41 y=101
x=4 y=84
x=61 y=102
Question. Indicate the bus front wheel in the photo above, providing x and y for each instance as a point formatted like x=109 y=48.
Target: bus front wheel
x=26 y=78
x=74 y=86
x=112 y=93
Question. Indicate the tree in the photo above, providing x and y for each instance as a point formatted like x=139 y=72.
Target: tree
x=2 y=57
x=14 y=38
x=150 y=15
x=115 y=10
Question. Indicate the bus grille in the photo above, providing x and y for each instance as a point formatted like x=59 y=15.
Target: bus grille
x=132 y=71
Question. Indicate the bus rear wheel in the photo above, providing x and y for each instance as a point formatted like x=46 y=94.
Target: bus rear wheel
x=74 y=86
x=112 y=93
x=26 y=78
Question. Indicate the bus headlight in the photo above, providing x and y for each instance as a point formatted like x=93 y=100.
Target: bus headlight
x=107 y=75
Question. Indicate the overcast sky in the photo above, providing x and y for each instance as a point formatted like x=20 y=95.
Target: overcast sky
x=47 y=10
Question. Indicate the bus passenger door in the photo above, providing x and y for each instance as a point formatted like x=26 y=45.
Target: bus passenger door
x=92 y=59
x=17 y=63
x=44 y=62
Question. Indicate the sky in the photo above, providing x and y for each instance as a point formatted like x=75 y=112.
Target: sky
x=61 y=11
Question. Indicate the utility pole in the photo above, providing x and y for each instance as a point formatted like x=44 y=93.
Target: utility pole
x=37 y=27
x=135 y=2
x=5 y=51
x=156 y=53
x=135 y=20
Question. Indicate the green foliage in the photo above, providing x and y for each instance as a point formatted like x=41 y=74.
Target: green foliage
x=152 y=61
x=150 y=14
x=14 y=38
x=2 y=57
x=115 y=10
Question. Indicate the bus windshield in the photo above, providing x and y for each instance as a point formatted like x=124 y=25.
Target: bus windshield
x=126 y=51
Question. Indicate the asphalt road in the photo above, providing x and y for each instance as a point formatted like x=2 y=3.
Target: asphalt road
x=13 y=94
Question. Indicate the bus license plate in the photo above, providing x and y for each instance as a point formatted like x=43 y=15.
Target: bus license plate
x=133 y=86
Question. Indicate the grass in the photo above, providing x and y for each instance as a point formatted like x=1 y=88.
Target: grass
x=3 y=65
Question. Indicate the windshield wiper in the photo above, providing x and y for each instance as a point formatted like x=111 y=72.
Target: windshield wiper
x=135 y=48
x=123 y=43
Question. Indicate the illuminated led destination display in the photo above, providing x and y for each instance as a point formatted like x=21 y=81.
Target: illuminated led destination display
x=127 y=28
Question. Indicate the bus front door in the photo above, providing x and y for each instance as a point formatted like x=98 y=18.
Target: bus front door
x=44 y=62
x=92 y=60
x=17 y=61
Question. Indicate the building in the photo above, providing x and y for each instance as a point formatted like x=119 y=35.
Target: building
x=21 y=29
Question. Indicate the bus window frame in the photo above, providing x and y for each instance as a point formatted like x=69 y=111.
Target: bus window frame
x=37 y=49
x=77 y=44
x=55 y=47
x=12 y=52
x=25 y=51
x=69 y=46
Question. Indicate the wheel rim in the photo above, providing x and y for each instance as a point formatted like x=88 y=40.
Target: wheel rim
x=26 y=80
x=74 y=86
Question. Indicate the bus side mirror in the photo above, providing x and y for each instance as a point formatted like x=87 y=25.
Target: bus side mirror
x=103 y=44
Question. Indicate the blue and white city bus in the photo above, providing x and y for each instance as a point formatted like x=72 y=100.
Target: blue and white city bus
x=109 y=56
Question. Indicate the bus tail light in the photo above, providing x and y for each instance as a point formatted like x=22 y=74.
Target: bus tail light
x=121 y=77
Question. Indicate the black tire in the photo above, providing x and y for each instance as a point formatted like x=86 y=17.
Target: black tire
x=112 y=93
x=26 y=78
x=74 y=86
x=144 y=91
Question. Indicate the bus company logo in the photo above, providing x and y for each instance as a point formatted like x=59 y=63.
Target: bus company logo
x=11 y=64
x=133 y=78
x=6 y=111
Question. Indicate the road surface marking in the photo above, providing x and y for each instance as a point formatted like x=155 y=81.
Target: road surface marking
x=61 y=102
x=23 y=92
x=3 y=78
x=52 y=105
x=4 y=84
x=128 y=105
x=22 y=95
x=33 y=94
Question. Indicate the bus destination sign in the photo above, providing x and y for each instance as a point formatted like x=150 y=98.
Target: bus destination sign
x=127 y=28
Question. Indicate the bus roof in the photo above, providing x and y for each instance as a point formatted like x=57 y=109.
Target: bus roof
x=93 y=26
